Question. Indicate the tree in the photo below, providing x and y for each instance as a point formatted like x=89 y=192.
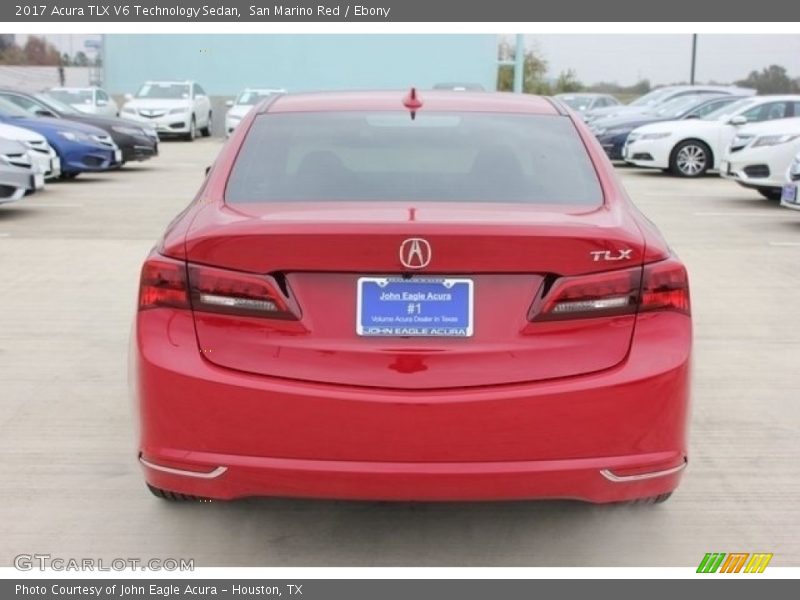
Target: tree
x=771 y=80
x=533 y=79
x=568 y=82
x=39 y=52
x=81 y=60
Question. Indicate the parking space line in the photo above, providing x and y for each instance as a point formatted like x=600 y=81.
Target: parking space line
x=54 y=205
x=5 y=234
x=738 y=213
x=784 y=243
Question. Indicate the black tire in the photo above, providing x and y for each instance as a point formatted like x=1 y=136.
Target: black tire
x=652 y=500
x=174 y=496
x=206 y=131
x=770 y=193
x=691 y=158
x=192 y=133
x=69 y=175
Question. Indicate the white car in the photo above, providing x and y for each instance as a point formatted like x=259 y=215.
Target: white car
x=18 y=175
x=790 y=198
x=171 y=107
x=690 y=148
x=90 y=100
x=659 y=96
x=760 y=154
x=245 y=101
x=41 y=153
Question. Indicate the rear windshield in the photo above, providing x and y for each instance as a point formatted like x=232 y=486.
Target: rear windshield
x=387 y=156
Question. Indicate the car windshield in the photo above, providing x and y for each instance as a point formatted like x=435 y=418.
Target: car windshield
x=729 y=110
x=579 y=103
x=250 y=97
x=9 y=109
x=652 y=98
x=164 y=91
x=677 y=106
x=73 y=96
x=55 y=104
x=388 y=156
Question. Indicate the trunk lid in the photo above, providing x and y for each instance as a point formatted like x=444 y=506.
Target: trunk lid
x=318 y=252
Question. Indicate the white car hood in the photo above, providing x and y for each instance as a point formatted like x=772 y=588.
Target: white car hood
x=694 y=126
x=239 y=110
x=20 y=134
x=159 y=103
x=774 y=127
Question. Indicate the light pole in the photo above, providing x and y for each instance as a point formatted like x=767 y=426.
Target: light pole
x=694 y=57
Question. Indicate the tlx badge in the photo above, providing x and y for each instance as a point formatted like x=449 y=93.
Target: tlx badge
x=598 y=255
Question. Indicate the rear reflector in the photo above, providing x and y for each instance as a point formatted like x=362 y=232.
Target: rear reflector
x=658 y=286
x=166 y=282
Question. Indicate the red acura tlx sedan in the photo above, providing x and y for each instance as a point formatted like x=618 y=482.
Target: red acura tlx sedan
x=412 y=296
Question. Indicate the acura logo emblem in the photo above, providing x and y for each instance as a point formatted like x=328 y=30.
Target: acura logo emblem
x=415 y=253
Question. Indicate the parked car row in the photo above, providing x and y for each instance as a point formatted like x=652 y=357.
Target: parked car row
x=43 y=138
x=690 y=131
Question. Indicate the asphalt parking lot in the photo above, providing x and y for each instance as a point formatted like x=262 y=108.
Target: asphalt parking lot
x=71 y=487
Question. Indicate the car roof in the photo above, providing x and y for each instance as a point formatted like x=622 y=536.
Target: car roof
x=432 y=100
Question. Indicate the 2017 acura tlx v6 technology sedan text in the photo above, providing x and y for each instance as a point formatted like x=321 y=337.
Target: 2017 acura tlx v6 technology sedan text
x=403 y=296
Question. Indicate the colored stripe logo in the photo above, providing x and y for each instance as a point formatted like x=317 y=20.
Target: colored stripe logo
x=735 y=562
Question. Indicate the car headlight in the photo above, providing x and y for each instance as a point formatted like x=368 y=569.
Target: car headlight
x=176 y=111
x=73 y=136
x=127 y=130
x=774 y=140
x=655 y=136
x=128 y=109
x=794 y=169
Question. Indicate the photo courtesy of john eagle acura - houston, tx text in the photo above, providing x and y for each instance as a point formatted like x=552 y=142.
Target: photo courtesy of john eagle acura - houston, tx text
x=412 y=295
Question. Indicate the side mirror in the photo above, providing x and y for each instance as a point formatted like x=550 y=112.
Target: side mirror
x=692 y=117
x=738 y=120
x=208 y=170
x=102 y=103
x=228 y=103
x=43 y=112
x=128 y=96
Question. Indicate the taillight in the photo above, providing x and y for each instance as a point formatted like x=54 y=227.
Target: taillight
x=657 y=286
x=166 y=282
x=234 y=293
x=597 y=295
x=163 y=284
x=665 y=286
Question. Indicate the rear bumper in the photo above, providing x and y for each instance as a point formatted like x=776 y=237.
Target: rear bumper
x=264 y=436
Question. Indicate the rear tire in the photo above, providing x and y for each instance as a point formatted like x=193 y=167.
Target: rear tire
x=770 y=193
x=174 y=496
x=691 y=158
x=206 y=131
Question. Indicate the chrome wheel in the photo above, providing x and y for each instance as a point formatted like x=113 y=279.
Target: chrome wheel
x=692 y=160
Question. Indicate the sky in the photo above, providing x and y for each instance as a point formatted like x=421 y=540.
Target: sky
x=627 y=58
x=665 y=58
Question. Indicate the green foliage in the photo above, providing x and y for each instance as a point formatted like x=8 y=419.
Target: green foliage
x=771 y=80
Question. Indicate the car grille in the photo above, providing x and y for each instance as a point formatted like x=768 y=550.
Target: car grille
x=757 y=171
x=152 y=113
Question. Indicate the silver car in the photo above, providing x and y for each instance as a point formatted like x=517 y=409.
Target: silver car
x=18 y=175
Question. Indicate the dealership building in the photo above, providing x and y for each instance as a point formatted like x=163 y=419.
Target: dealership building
x=225 y=64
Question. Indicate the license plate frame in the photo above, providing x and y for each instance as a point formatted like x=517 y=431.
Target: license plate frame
x=393 y=307
x=789 y=194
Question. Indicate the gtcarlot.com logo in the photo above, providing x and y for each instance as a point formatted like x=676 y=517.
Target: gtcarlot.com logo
x=42 y=562
x=735 y=562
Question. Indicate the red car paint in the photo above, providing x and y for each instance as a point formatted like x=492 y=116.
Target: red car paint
x=536 y=404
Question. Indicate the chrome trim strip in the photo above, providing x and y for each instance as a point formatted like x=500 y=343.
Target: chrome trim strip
x=608 y=474
x=200 y=475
